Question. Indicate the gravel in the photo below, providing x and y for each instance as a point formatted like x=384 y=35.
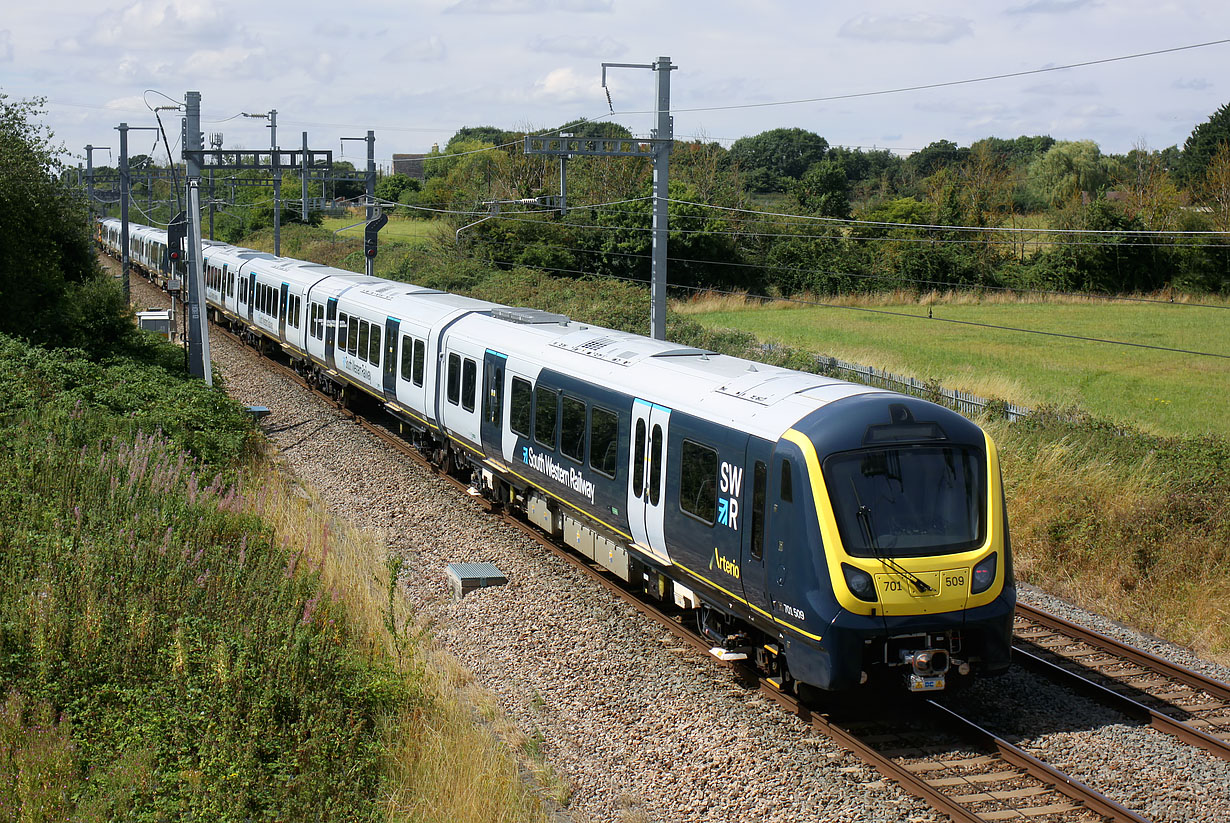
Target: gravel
x=640 y=727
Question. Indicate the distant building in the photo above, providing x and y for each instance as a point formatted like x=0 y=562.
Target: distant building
x=410 y=165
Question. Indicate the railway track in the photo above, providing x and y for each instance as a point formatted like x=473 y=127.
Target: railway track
x=930 y=751
x=1154 y=691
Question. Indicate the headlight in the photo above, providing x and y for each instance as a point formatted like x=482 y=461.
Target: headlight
x=984 y=574
x=860 y=583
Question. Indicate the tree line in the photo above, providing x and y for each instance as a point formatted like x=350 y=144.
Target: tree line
x=1031 y=212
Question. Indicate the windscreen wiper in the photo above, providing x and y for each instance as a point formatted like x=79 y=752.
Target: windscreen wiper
x=864 y=519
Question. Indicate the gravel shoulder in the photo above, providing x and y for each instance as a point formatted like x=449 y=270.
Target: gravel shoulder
x=639 y=727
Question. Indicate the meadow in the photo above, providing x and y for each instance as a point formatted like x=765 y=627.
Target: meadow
x=940 y=339
x=401 y=229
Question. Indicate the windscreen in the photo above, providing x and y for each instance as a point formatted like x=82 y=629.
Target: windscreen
x=907 y=501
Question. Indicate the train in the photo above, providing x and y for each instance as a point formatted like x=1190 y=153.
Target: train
x=831 y=534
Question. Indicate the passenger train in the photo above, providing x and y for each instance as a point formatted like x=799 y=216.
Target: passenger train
x=831 y=533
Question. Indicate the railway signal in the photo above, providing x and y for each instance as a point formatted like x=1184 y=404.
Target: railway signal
x=369 y=235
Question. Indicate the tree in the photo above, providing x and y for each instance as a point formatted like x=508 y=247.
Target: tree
x=941 y=154
x=1202 y=145
x=824 y=190
x=52 y=290
x=768 y=157
x=1215 y=191
x=1069 y=169
x=1147 y=190
x=391 y=186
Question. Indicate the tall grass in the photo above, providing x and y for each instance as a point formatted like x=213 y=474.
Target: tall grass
x=179 y=641
x=1129 y=525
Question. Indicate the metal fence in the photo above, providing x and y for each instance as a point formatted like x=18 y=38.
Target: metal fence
x=964 y=402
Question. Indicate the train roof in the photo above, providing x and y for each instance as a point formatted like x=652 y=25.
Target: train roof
x=762 y=399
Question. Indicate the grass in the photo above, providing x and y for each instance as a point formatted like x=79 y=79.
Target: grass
x=400 y=229
x=182 y=639
x=1158 y=391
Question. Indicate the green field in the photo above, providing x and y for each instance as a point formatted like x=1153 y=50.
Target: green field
x=398 y=228
x=1160 y=391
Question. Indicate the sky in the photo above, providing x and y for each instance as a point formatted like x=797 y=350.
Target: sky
x=415 y=71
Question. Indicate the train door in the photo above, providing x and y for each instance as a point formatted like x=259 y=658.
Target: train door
x=755 y=514
x=392 y=333
x=282 y=307
x=784 y=509
x=251 y=295
x=647 y=475
x=330 y=331
x=492 y=426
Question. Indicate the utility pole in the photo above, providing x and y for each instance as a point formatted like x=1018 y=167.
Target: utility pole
x=89 y=172
x=198 y=334
x=303 y=213
x=370 y=266
x=665 y=131
x=277 y=182
x=125 y=261
x=658 y=148
x=371 y=188
x=215 y=143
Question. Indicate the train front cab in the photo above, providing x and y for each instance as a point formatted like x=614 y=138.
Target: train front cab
x=901 y=545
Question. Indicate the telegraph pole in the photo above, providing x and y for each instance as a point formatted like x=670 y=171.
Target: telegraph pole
x=277 y=182
x=89 y=171
x=371 y=189
x=198 y=333
x=125 y=261
x=658 y=147
x=303 y=212
x=371 y=192
x=665 y=131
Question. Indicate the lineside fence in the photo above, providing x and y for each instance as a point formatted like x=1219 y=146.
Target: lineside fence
x=968 y=404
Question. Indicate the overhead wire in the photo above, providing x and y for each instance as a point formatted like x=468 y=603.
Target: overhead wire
x=887 y=312
x=948 y=83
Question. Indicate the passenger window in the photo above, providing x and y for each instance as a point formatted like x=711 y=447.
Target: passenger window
x=364 y=334
x=374 y=348
x=420 y=358
x=352 y=336
x=342 y=322
x=655 y=466
x=546 y=413
x=469 y=382
x=787 y=493
x=638 y=460
x=454 y=379
x=572 y=429
x=760 y=475
x=519 y=402
x=603 y=441
x=407 y=346
x=698 y=481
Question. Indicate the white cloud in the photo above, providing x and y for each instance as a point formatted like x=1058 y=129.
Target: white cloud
x=528 y=6
x=230 y=61
x=592 y=47
x=6 y=46
x=906 y=28
x=565 y=85
x=1064 y=89
x=1051 y=6
x=427 y=50
x=154 y=23
x=1194 y=84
